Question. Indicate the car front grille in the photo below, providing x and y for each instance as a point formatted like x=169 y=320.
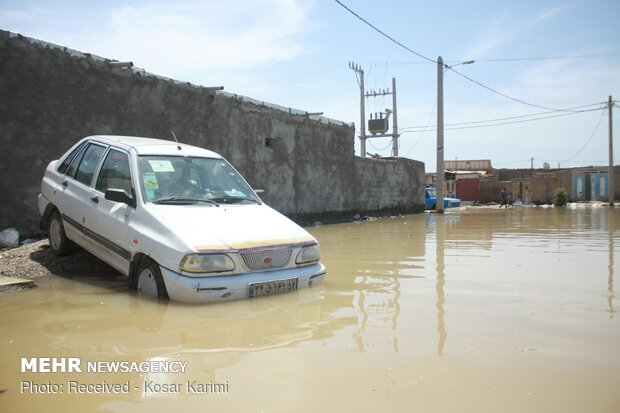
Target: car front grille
x=260 y=260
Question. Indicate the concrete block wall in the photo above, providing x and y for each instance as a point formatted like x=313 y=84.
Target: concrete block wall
x=381 y=186
x=52 y=96
x=544 y=185
x=491 y=187
x=528 y=186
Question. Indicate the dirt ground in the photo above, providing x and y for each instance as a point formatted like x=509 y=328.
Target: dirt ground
x=37 y=260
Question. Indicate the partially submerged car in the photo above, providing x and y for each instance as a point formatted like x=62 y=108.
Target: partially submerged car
x=430 y=200
x=178 y=220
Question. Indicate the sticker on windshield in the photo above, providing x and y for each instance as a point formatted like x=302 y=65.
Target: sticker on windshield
x=233 y=192
x=161 y=165
x=151 y=185
x=150 y=181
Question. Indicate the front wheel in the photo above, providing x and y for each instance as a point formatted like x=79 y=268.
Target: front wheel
x=149 y=281
x=59 y=243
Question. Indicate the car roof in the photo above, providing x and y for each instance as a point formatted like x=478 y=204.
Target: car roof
x=151 y=146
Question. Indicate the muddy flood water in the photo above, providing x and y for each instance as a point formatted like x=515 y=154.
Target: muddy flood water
x=478 y=310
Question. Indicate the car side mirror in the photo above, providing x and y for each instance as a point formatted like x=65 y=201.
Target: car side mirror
x=120 y=195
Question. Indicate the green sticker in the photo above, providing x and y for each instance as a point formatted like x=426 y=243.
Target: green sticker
x=150 y=181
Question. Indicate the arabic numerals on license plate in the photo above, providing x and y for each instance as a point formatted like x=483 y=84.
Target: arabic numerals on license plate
x=273 y=287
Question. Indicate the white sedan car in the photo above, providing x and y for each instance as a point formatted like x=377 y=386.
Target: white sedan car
x=178 y=220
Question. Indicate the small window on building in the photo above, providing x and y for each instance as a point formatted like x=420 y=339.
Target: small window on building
x=270 y=142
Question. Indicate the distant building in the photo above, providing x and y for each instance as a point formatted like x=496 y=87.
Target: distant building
x=475 y=165
x=462 y=178
x=592 y=183
x=537 y=185
x=478 y=181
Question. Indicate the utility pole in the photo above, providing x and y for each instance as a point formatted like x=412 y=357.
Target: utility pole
x=395 y=143
x=359 y=72
x=439 y=206
x=439 y=184
x=610 y=173
x=377 y=130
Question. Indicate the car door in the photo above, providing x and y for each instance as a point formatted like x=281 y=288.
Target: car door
x=109 y=228
x=74 y=203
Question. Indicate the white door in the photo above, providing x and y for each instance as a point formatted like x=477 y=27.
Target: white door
x=73 y=202
x=109 y=225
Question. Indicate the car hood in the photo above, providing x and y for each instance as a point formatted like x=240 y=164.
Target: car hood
x=210 y=228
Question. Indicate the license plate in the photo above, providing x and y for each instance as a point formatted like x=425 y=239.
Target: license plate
x=273 y=287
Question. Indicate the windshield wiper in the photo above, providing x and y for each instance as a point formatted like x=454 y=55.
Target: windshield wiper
x=174 y=199
x=234 y=199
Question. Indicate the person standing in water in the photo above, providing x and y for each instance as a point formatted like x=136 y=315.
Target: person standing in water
x=503 y=198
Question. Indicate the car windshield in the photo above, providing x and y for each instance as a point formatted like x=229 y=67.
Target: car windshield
x=431 y=192
x=183 y=180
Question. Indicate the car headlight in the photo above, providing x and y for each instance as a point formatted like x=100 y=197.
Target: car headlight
x=308 y=254
x=201 y=263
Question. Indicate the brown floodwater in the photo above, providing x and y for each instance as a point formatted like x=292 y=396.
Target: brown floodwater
x=477 y=310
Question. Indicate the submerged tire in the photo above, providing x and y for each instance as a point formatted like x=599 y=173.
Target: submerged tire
x=59 y=243
x=149 y=281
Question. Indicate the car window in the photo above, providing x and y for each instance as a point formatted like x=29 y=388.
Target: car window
x=163 y=177
x=67 y=161
x=88 y=164
x=115 y=172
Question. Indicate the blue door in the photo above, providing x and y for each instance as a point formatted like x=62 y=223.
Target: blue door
x=579 y=187
x=599 y=185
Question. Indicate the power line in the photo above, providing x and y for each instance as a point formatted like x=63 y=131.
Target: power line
x=445 y=65
x=377 y=149
x=428 y=122
x=492 y=122
x=502 y=94
x=589 y=139
x=525 y=120
x=572 y=110
x=384 y=34
x=513 y=162
x=590 y=162
x=517 y=59
x=571 y=159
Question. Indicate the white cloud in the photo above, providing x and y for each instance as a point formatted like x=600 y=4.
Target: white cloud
x=489 y=39
x=569 y=81
x=211 y=35
x=178 y=39
x=505 y=28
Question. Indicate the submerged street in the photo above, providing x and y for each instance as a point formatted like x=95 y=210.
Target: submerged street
x=476 y=310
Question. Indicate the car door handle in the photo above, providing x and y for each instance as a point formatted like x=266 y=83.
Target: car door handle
x=95 y=199
x=65 y=183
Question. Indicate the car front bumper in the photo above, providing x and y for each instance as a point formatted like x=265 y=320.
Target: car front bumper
x=230 y=287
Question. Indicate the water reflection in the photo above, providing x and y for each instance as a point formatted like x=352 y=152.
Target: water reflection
x=610 y=280
x=482 y=245
x=385 y=253
x=441 y=282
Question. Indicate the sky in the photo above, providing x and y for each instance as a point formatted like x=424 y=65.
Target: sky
x=538 y=89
